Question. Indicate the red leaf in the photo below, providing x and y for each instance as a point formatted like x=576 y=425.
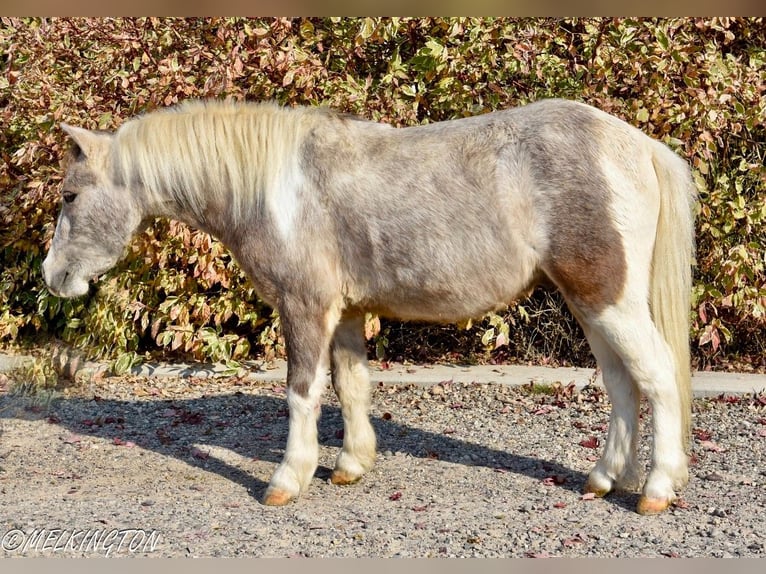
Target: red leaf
x=693 y=459
x=590 y=442
x=702 y=434
x=588 y=496
x=72 y=438
x=560 y=505
x=119 y=442
x=419 y=508
x=184 y=416
x=716 y=339
x=395 y=496
x=200 y=454
x=163 y=436
x=712 y=446
x=727 y=399
x=572 y=541
x=553 y=480
x=702 y=313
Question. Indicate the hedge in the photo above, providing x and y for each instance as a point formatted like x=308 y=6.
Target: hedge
x=694 y=83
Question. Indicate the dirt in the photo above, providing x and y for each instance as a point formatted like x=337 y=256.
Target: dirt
x=471 y=470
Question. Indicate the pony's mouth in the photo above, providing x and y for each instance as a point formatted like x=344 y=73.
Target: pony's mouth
x=71 y=284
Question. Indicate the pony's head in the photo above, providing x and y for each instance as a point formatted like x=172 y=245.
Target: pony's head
x=97 y=220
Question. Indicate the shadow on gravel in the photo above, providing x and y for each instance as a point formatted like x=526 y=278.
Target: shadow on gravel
x=255 y=427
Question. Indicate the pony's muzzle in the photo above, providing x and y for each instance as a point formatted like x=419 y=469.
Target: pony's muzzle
x=61 y=282
x=54 y=281
x=48 y=275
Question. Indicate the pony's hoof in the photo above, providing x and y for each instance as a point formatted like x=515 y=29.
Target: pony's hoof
x=592 y=488
x=342 y=477
x=277 y=497
x=652 y=505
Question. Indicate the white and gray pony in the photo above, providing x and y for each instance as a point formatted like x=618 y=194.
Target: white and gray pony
x=333 y=217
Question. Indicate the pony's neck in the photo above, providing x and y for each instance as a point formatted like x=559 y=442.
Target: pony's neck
x=214 y=166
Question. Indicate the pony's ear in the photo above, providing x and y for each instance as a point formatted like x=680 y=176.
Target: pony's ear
x=85 y=141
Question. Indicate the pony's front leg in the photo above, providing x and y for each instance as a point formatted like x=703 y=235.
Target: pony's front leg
x=307 y=338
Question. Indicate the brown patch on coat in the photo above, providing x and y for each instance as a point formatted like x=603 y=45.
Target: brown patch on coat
x=589 y=269
x=586 y=256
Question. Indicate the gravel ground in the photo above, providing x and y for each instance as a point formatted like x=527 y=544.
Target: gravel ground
x=469 y=470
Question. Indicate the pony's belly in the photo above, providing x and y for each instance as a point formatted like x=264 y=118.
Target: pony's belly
x=437 y=307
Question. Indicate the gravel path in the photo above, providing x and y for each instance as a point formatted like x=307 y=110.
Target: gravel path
x=473 y=470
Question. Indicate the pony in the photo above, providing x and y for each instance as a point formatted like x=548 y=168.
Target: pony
x=332 y=217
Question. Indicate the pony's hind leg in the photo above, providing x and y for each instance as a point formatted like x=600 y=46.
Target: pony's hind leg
x=307 y=334
x=351 y=381
x=618 y=465
x=632 y=335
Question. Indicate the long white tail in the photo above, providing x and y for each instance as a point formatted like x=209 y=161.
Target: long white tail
x=671 y=279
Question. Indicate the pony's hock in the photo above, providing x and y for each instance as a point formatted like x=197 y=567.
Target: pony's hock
x=333 y=217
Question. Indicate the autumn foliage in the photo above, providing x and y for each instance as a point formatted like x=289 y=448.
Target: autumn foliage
x=697 y=84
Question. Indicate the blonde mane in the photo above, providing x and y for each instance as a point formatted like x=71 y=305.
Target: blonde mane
x=229 y=154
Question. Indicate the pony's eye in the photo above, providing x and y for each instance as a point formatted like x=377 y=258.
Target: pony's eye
x=69 y=196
